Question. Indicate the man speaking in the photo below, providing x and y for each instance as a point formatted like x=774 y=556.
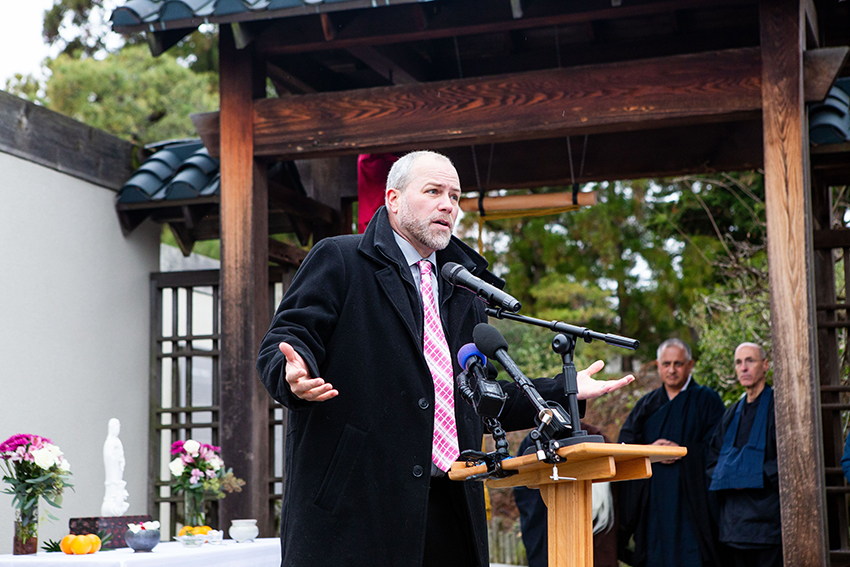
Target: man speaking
x=362 y=350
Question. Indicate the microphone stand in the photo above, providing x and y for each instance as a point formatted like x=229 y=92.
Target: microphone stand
x=564 y=344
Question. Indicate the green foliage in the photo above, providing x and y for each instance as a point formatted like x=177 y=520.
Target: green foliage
x=652 y=259
x=80 y=28
x=199 y=50
x=51 y=546
x=105 y=537
x=131 y=94
x=724 y=219
x=723 y=325
x=603 y=267
x=26 y=87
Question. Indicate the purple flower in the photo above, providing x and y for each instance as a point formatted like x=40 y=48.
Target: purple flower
x=177 y=447
x=20 y=455
x=210 y=474
x=22 y=440
x=196 y=475
x=187 y=459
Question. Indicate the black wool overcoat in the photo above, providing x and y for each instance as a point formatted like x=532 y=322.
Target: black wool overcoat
x=358 y=465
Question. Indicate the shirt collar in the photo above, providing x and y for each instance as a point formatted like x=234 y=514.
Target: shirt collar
x=688 y=383
x=411 y=256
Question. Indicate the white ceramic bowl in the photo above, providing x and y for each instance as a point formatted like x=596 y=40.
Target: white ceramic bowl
x=243 y=530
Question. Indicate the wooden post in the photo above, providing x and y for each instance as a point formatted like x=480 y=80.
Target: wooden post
x=570 y=534
x=788 y=210
x=244 y=285
x=829 y=368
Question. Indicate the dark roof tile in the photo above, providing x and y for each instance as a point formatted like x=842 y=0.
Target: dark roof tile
x=140 y=187
x=181 y=170
x=157 y=167
x=184 y=13
x=175 y=10
x=135 y=12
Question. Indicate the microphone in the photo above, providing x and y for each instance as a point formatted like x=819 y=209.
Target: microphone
x=490 y=341
x=460 y=276
x=485 y=395
x=469 y=355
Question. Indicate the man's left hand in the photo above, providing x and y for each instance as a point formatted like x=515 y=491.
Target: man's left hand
x=591 y=388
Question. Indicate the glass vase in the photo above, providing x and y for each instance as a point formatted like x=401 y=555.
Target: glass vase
x=194 y=513
x=26 y=531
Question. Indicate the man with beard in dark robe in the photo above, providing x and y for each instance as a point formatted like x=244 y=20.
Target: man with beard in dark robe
x=668 y=514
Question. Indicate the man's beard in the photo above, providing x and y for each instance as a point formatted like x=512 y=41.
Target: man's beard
x=422 y=230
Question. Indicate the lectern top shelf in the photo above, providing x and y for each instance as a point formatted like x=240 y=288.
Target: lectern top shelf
x=582 y=461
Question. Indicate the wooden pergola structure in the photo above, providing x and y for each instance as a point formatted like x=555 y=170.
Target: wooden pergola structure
x=658 y=87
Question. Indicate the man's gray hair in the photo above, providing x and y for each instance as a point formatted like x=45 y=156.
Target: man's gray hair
x=762 y=352
x=676 y=343
x=401 y=172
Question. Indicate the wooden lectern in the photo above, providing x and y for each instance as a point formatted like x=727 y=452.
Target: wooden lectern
x=569 y=497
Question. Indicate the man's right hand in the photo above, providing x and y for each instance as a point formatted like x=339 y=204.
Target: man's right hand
x=298 y=377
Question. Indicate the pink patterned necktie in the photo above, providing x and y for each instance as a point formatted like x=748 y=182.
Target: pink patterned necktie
x=444 y=449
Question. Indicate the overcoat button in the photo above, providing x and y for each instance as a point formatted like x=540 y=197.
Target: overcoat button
x=423 y=403
x=417 y=471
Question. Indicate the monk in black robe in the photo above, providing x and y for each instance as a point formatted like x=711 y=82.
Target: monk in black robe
x=743 y=467
x=668 y=515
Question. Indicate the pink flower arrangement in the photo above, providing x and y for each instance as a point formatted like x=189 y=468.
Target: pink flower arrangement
x=199 y=467
x=35 y=469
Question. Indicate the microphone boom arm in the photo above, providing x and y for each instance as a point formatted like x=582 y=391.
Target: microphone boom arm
x=567 y=329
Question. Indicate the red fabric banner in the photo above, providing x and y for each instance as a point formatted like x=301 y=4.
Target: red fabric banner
x=372 y=170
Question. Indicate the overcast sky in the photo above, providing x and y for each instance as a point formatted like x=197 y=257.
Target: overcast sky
x=21 y=47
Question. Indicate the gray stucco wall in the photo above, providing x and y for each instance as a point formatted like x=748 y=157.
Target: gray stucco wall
x=74 y=330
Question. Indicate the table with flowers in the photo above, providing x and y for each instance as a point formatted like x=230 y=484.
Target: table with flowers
x=260 y=552
x=36 y=472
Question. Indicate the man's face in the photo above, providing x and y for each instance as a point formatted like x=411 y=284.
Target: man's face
x=674 y=367
x=750 y=367
x=424 y=214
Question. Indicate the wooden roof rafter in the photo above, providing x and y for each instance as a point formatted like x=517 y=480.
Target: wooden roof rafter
x=627 y=96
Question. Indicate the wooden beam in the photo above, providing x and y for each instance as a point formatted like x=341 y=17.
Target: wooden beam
x=383 y=65
x=407 y=23
x=686 y=89
x=328 y=28
x=244 y=290
x=827 y=239
x=812 y=31
x=58 y=142
x=820 y=68
x=289 y=82
x=183 y=236
x=285 y=254
x=792 y=312
x=527 y=202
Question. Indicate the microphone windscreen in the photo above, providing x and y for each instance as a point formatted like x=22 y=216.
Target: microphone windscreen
x=466 y=351
x=488 y=339
x=447 y=270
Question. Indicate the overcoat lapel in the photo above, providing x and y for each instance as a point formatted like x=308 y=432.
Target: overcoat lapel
x=397 y=293
x=394 y=278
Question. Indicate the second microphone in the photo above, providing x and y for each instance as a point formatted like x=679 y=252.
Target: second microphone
x=460 y=276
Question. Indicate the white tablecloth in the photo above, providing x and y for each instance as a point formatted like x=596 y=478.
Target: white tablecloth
x=261 y=552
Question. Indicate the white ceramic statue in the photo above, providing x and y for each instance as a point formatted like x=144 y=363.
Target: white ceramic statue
x=115 y=500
